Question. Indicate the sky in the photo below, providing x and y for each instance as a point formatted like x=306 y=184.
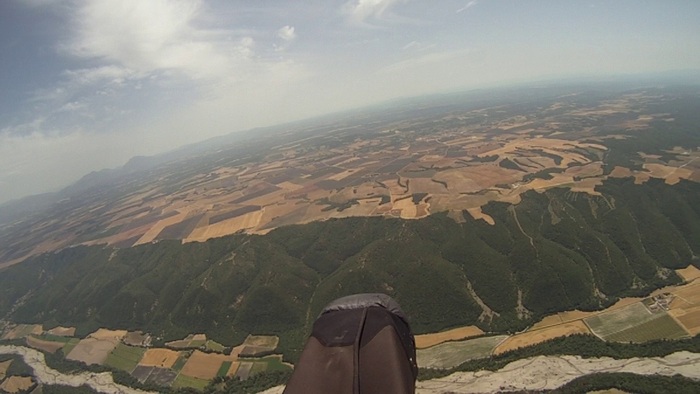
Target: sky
x=88 y=84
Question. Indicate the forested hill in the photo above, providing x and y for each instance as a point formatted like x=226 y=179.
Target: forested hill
x=554 y=251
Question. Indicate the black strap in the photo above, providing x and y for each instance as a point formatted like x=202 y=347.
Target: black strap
x=356 y=354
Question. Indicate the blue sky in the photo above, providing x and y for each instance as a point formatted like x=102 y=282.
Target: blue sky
x=89 y=84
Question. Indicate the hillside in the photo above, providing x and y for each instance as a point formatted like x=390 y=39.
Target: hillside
x=555 y=251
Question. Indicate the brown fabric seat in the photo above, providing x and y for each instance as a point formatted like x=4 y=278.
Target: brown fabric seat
x=360 y=344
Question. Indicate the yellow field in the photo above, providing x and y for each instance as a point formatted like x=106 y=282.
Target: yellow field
x=203 y=365
x=16 y=384
x=427 y=340
x=159 y=357
x=534 y=337
x=689 y=274
x=690 y=319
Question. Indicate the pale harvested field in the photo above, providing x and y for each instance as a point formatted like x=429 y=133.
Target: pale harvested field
x=621 y=172
x=62 y=331
x=587 y=186
x=230 y=226
x=159 y=357
x=204 y=366
x=671 y=175
x=562 y=317
x=47 y=346
x=690 y=273
x=92 y=350
x=478 y=214
x=610 y=322
x=455 y=334
x=269 y=341
x=105 y=334
x=155 y=229
x=451 y=354
x=534 y=337
x=690 y=319
x=689 y=293
x=16 y=384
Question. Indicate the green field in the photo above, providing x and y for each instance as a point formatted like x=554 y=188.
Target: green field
x=179 y=363
x=223 y=369
x=183 y=381
x=661 y=327
x=70 y=345
x=125 y=357
x=53 y=338
x=257 y=368
x=274 y=363
x=214 y=346
x=610 y=323
x=451 y=354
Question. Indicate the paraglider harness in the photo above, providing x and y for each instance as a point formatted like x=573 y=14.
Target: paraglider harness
x=360 y=344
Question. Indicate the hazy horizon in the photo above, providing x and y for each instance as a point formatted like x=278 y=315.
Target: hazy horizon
x=90 y=84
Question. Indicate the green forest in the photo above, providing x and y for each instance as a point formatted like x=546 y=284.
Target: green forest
x=555 y=251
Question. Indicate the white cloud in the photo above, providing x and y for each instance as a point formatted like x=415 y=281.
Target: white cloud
x=469 y=5
x=111 y=74
x=145 y=36
x=360 y=11
x=286 y=33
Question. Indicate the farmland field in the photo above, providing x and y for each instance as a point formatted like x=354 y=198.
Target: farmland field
x=451 y=354
x=164 y=358
x=223 y=369
x=456 y=334
x=72 y=343
x=533 y=337
x=92 y=351
x=608 y=323
x=182 y=381
x=125 y=357
x=4 y=365
x=661 y=327
x=23 y=330
x=204 y=365
x=47 y=346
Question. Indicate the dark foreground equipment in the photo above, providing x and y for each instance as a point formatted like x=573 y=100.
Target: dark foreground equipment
x=360 y=344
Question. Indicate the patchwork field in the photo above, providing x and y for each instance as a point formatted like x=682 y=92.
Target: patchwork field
x=205 y=366
x=47 y=346
x=662 y=326
x=609 y=323
x=407 y=168
x=159 y=357
x=92 y=351
x=23 y=330
x=452 y=354
x=669 y=313
x=258 y=345
x=125 y=357
x=535 y=336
